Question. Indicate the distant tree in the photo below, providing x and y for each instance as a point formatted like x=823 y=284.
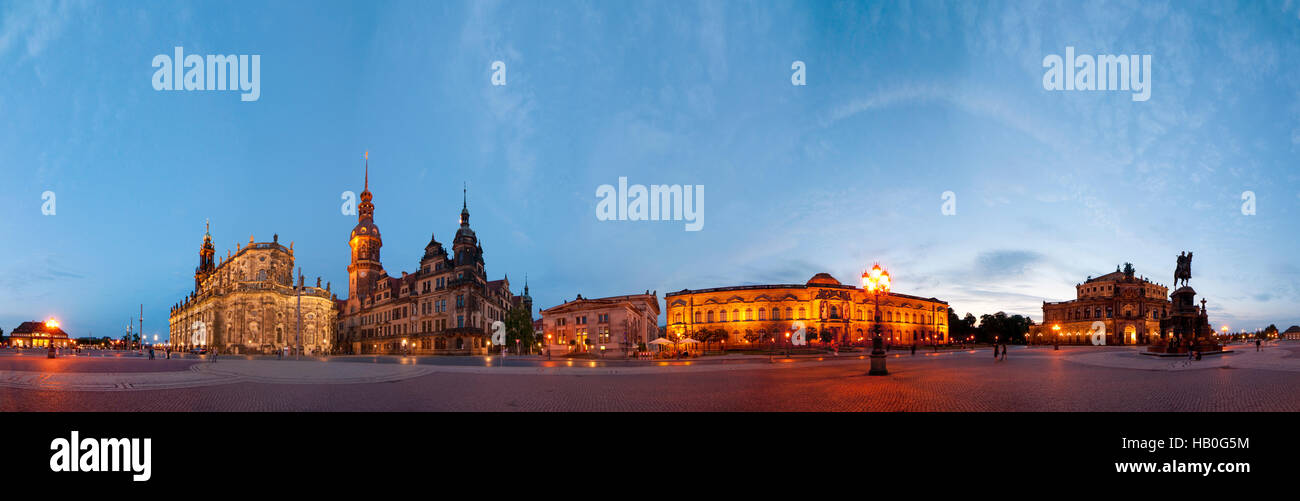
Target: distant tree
x=960 y=328
x=519 y=326
x=1002 y=328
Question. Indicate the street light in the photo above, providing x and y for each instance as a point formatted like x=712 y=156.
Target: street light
x=1056 y=331
x=876 y=282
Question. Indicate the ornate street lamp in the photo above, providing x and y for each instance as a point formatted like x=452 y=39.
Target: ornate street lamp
x=1056 y=330
x=876 y=282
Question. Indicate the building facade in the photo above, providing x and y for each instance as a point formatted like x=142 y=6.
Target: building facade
x=616 y=324
x=843 y=313
x=446 y=307
x=1127 y=306
x=248 y=303
x=36 y=334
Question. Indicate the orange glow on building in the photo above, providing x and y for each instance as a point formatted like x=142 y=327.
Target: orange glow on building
x=843 y=313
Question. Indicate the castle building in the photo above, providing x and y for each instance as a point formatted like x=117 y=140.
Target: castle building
x=752 y=313
x=616 y=324
x=1129 y=308
x=248 y=303
x=446 y=307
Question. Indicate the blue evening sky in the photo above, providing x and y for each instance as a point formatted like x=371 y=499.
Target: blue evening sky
x=904 y=101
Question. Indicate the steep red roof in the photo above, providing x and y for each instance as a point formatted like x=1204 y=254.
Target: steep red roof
x=34 y=326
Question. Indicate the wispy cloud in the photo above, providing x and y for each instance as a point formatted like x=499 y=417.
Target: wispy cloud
x=29 y=27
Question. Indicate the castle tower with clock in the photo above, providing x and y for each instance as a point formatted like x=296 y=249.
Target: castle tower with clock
x=365 y=268
x=445 y=307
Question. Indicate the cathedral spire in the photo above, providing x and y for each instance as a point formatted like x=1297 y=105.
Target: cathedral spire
x=367 y=171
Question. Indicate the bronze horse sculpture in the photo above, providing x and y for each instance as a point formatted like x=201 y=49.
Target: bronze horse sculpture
x=1184 y=270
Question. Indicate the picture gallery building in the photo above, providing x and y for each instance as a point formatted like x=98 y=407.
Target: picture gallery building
x=828 y=310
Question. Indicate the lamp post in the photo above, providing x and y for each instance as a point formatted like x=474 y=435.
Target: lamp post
x=876 y=281
x=1056 y=331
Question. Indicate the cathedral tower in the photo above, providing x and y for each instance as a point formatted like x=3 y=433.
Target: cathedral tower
x=207 y=254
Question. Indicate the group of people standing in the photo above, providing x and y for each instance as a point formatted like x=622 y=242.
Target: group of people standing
x=999 y=352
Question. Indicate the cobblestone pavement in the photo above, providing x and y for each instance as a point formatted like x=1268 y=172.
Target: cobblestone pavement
x=1037 y=379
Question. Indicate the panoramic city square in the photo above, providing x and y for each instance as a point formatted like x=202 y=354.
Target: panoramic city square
x=1037 y=378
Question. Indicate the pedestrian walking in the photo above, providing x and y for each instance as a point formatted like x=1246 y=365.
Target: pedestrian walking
x=1004 y=352
x=995 y=352
x=1257 y=343
x=914 y=349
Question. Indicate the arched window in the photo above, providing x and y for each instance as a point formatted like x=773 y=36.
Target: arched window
x=735 y=315
x=722 y=315
x=762 y=314
x=802 y=313
x=710 y=316
x=749 y=314
x=835 y=312
x=776 y=313
x=697 y=317
x=679 y=317
x=789 y=313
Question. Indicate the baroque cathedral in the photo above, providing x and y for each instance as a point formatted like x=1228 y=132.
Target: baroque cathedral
x=247 y=302
x=446 y=307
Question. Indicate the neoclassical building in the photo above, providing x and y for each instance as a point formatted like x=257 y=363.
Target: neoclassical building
x=1129 y=307
x=823 y=305
x=248 y=303
x=616 y=324
x=446 y=307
